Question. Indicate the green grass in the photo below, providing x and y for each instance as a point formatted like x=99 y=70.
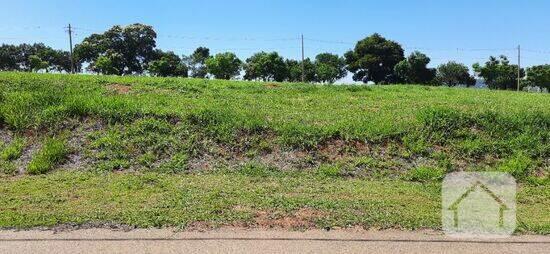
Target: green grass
x=426 y=174
x=14 y=150
x=223 y=152
x=53 y=152
x=239 y=198
x=301 y=114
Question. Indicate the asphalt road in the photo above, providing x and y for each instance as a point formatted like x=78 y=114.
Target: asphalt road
x=259 y=241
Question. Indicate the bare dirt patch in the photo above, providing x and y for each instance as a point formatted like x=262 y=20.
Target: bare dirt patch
x=119 y=88
x=271 y=85
x=304 y=218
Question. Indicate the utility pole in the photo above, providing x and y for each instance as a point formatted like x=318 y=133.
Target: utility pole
x=71 y=48
x=303 y=64
x=519 y=66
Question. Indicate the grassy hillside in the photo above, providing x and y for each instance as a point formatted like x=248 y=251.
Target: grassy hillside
x=409 y=134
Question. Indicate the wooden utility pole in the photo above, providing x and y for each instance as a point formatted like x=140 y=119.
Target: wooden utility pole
x=519 y=66
x=71 y=48
x=303 y=63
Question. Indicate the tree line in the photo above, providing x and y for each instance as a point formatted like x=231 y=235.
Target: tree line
x=131 y=50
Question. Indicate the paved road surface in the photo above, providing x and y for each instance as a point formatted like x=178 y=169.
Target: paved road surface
x=259 y=241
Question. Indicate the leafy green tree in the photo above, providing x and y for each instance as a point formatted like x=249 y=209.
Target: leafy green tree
x=414 y=69
x=295 y=70
x=454 y=74
x=499 y=73
x=133 y=46
x=373 y=59
x=329 y=67
x=10 y=57
x=197 y=62
x=61 y=61
x=266 y=66
x=37 y=64
x=107 y=64
x=224 y=65
x=539 y=75
x=167 y=64
x=18 y=57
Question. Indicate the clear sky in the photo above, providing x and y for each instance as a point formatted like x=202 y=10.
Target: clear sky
x=467 y=31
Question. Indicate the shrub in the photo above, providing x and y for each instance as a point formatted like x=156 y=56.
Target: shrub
x=53 y=152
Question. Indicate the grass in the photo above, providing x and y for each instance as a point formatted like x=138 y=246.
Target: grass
x=53 y=152
x=14 y=150
x=223 y=198
x=229 y=152
x=9 y=153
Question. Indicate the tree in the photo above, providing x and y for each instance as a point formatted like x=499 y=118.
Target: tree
x=196 y=62
x=61 y=61
x=266 y=67
x=10 y=58
x=329 y=67
x=499 y=73
x=28 y=57
x=132 y=45
x=167 y=64
x=37 y=64
x=454 y=74
x=224 y=65
x=106 y=65
x=414 y=69
x=539 y=75
x=295 y=70
x=373 y=59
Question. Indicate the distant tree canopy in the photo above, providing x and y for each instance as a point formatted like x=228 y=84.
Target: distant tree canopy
x=131 y=50
x=329 y=68
x=374 y=59
x=414 y=70
x=295 y=70
x=539 y=75
x=265 y=66
x=454 y=74
x=122 y=50
x=224 y=65
x=34 y=57
x=197 y=62
x=498 y=73
x=167 y=64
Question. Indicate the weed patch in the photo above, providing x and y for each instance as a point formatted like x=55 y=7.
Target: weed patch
x=425 y=174
x=14 y=150
x=52 y=153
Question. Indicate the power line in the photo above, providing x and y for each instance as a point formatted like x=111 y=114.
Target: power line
x=537 y=51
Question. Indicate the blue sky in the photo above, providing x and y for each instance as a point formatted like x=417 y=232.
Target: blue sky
x=467 y=31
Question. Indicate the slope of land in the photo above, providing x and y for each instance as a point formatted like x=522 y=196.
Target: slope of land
x=140 y=151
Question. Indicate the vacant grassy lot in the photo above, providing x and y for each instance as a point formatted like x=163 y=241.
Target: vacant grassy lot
x=242 y=198
x=167 y=151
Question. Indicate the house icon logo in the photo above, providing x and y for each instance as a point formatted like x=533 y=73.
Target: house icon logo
x=480 y=204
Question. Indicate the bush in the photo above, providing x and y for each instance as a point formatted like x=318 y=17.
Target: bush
x=53 y=152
